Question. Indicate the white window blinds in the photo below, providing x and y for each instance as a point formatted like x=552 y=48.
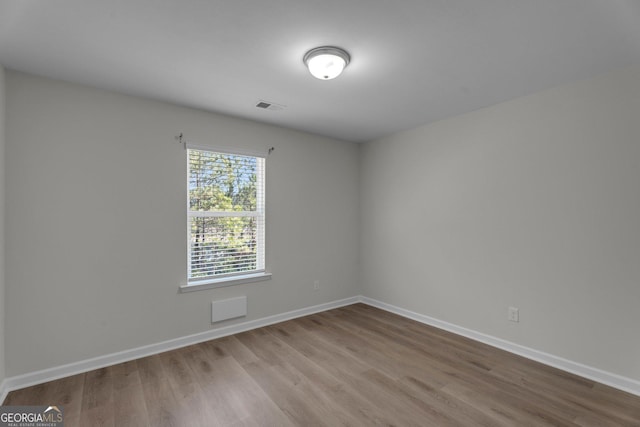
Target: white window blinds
x=226 y=217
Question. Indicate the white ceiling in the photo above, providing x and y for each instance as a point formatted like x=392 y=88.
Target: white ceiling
x=413 y=61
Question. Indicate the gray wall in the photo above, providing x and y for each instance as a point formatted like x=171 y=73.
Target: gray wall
x=2 y=238
x=533 y=203
x=96 y=199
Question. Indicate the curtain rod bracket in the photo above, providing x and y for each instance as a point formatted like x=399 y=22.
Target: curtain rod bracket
x=181 y=140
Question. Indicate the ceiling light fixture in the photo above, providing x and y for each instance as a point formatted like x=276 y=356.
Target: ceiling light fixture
x=326 y=62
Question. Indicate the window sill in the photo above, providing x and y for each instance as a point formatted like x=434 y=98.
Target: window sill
x=225 y=281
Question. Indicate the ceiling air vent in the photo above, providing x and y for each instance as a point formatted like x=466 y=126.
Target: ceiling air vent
x=266 y=105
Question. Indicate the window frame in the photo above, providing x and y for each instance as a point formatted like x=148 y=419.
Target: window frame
x=228 y=279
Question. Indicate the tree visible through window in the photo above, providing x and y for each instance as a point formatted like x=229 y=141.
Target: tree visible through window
x=226 y=214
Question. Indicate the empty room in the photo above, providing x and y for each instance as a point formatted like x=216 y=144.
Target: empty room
x=297 y=213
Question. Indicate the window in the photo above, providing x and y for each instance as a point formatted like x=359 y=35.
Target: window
x=226 y=217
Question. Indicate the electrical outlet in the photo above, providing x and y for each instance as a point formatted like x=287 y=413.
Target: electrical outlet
x=514 y=314
x=316 y=285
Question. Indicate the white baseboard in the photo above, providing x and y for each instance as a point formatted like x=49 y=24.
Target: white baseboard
x=50 y=374
x=20 y=381
x=614 y=380
x=3 y=391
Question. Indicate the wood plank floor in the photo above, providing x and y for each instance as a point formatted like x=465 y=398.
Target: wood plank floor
x=355 y=365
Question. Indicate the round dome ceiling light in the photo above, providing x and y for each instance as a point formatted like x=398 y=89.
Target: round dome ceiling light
x=326 y=62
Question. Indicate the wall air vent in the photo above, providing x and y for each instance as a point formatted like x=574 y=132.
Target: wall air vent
x=266 y=105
